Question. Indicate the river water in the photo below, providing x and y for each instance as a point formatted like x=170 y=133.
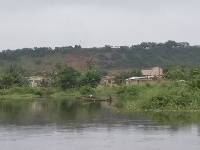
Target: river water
x=74 y=125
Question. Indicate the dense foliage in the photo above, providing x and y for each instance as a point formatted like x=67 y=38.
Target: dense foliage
x=13 y=76
x=180 y=90
x=146 y=54
x=91 y=78
x=65 y=77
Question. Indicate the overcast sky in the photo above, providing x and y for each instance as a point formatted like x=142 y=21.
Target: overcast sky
x=95 y=23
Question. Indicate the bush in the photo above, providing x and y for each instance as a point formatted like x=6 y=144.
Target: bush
x=128 y=90
x=16 y=90
x=43 y=91
x=169 y=100
x=195 y=82
x=148 y=85
x=86 y=90
x=27 y=90
x=157 y=102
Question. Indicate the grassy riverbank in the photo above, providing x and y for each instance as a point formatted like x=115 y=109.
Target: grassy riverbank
x=171 y=96
x=26 y=92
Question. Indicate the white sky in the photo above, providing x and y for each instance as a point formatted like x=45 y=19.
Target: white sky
x=95 y=23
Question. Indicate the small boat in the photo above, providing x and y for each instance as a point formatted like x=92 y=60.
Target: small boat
x=94 y=99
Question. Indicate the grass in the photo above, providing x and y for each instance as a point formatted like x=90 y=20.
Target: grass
x=26 y=92
x=18 y=97
x=150 y=97
x=168 y=96
x=30 y=93
x=67 y=93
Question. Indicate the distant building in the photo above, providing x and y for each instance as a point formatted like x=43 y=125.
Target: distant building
x=153 y=75
x=108 y=81
x=136 y=80
x=35 y=81
x=153 y=72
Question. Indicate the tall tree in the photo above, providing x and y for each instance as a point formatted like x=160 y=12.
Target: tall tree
x=177 y=73
x=13 y=76
x=90 y=78
x=65 y=77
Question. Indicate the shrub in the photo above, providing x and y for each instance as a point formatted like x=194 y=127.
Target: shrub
x=195 y=82
x=43 y=91
x=148 y=85
x=158 y=102
x=182 y=100
x=168 y=100
x=86 y=90
x=16 y=90
x=128 y=90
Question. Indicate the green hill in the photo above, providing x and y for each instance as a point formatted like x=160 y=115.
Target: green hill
x=106 y=58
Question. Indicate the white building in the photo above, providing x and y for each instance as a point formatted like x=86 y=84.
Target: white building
x=153 y=72
x=35 y=81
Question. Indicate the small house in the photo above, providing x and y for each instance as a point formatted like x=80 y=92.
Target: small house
x=153 y=75
x=153 y=72
x=134 y=80
x=108 y=81
x=35 y=81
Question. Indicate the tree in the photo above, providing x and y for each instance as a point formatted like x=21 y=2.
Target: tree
x=91 y=78
x=177 y=73
x=144 y=45
x=77 y=47
x=171 y=43
x=195 y=78
x=65 y=77
x=13 y=76
x=89 y=64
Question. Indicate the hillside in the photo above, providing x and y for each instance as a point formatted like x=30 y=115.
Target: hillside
x=106 y=58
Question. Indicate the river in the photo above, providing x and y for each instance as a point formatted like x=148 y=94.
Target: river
x=47 y=124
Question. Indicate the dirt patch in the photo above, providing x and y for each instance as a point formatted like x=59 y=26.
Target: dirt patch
x=76 y=61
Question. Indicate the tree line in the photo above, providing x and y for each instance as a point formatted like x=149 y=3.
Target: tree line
x=144 y=55
x=66 y=77
x=62 y=76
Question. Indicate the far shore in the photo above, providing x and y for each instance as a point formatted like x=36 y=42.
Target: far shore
x=128 y=98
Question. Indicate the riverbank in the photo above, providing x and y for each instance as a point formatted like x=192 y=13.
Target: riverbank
x=171 y=96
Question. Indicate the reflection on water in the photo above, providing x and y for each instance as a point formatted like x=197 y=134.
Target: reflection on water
x=175 y=118
x=41 y=112
x=61 y=124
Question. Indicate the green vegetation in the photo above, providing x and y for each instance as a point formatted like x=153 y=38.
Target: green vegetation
x=86 y=90
x=172 y=94
x=26 y=92
x=91 y=78
x=13 y=82
x=166 y=96
x=106 y=58
x=180 y=90
x=65 y=77
x=13 y=76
